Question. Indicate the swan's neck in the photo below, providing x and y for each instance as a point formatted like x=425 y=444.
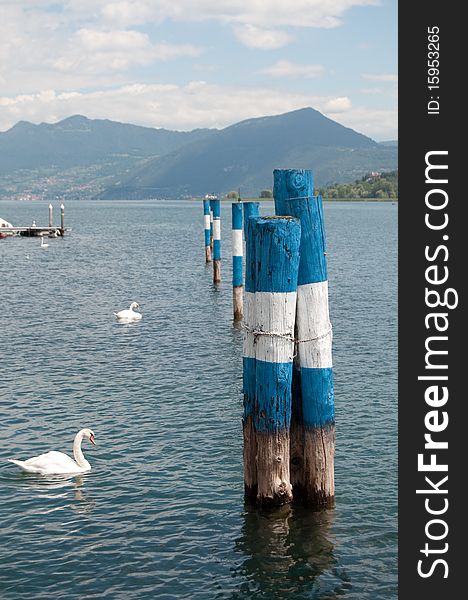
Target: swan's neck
x=77 y=452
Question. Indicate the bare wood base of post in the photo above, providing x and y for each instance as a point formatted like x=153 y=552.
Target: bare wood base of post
x=207 y=254
x=216 y=271
x=273 y=480
x=238 y=302
x=319 y=467
x=296 y=433
x=250 y=462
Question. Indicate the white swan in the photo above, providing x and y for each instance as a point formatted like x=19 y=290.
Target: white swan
x=129 y=314
x=56 y=463
x=42 y=243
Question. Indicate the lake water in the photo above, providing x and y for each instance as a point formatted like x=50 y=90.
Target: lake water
x=161 y=514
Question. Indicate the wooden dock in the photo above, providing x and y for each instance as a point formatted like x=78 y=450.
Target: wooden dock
x=33 y=231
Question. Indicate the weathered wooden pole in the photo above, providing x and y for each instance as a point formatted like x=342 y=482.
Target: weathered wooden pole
x=248 y=368
x=237 y=256
x=62 y=220
x=298 y=183
x=251 y=209
x=275 y=270
x=50 y=215
x=216 y=204
x=207 y=229
x=314 y=334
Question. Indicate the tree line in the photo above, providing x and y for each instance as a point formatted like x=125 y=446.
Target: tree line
x=372 y=185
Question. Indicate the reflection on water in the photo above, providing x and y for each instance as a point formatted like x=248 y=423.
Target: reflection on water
x=59 y=488
x=286 y=551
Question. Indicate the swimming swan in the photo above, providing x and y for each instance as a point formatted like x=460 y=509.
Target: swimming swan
x=42 y=243
x=56 y=463
x=129 y=314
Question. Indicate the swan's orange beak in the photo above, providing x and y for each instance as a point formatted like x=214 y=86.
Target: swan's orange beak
x=91 y=439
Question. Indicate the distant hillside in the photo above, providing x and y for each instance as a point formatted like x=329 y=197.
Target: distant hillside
x=244 y=156
x=93 y=158
x=372 y=185
x=78 y=141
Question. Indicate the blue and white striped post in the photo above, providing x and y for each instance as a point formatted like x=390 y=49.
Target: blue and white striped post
x=211 y=225
x=207 y=229
x=297 y=183
x=237 y=254
x=62 y=220
x=275 y=269
x=251 y=209
x=248 y=368
x=314 y=333
x=216 y=205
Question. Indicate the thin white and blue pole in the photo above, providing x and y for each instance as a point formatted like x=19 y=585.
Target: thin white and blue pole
x=62 y=219
x=237 y=257
x=251 y=209
x=216 y=205
x=211 y=225
x=207 y=228
x=248 y=368
x=275 y=269
x=314 y=337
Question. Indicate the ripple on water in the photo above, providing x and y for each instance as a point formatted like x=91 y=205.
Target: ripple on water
x=161 y=513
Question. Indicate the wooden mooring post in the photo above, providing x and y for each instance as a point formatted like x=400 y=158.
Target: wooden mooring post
x=211 y=226
x=273 y=257
x=248 y=369
x=62 y=219
x=216 y=205
x=250 y=209
x=207 y=229
x=50 y=215
x=314 y=467
x=237 y=257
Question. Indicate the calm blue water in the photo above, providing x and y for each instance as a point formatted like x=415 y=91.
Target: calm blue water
x=161 y=514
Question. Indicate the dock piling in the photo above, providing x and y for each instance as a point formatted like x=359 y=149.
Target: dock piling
x=248 y=369
x=250 y=209
x=207 y=229
x=216 y=205
x=62 y=220
x=211 y=226
x=274 y=248
x=294 y=195
x=50 y=215
x=237 y=257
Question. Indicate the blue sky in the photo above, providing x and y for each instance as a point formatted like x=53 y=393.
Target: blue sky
x=182 y=64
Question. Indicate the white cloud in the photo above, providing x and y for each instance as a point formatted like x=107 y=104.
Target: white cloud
x=285 y=68
x=88 y=48
x=265 y=39
x=262 y=13
x=378 y=124
x=391 y=77
x=39 y=50
x=197 y=104
x=337 y=105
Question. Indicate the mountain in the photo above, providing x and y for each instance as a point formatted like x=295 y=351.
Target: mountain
x=78 y=141
x=245 y=154
x=389 y=143
x=99 y=158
